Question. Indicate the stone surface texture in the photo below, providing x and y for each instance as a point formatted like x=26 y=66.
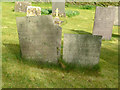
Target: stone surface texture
x=40 y=38
x=83 y=50
x=103 y=22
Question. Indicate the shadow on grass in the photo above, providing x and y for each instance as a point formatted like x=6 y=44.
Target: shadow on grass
x=80 y=32
x=115 y=35
x=13 y=10
x=109 y=56
x=64 y=67
x=15 y=50
x=83 y=32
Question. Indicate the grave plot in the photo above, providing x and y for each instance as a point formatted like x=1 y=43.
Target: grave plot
x=103 y=22
x=83 y=50
x=40 y=38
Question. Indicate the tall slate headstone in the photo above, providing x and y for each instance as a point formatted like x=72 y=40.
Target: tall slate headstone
x=60 y=6
x=103 y=22
x=81 y=50
x=21 y=6
x=40 y=38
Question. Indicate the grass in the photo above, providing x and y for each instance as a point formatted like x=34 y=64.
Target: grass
x=69 y=13
x=17 y=73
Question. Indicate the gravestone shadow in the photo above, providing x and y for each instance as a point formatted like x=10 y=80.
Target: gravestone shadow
x=13 y=10
x=107 y=57
x=115 y=35
x=14 y=49
x=80 y=32
x=84 y=32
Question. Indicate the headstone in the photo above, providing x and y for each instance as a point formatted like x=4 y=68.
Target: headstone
x=83 y=50
x=21 y=6
x=40 y=38
x=116 y=14
x=33 y=11
x=60 y=6
x=103 y=22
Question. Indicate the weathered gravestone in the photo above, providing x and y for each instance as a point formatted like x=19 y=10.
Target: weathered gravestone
x=116 y=14
x=103 y=23
x=83 y=50
x=39 y=38
x=33 y=11
x=21 y=6
x=60 y=6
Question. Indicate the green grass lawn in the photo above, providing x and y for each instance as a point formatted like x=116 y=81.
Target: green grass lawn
x=16 y=73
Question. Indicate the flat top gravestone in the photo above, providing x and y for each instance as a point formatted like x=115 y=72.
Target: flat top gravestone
x=60 y=6
x=103 y=23
x=33 y=11
x=81 y=50
x=21 y=6
x=39 y=38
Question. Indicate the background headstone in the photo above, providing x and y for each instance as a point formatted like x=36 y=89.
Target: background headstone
x=60 y=6
x=81 y=50
x=116 y=14
x=33 y=11
x=21 y=6
x=103 y=22
x=40 y=38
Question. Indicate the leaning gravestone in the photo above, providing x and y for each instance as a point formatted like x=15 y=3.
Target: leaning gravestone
x=83 y=50
x=60 y=6
x=39 y=38
x=116 y=15
x=33 y=11
x=103 y=23
x=21 y=6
